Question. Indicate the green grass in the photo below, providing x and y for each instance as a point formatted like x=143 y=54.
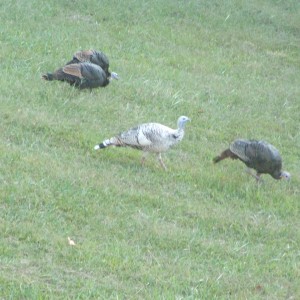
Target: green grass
x=198 y=231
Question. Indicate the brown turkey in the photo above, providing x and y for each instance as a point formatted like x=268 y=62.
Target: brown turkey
x=81 y=75
x=94 y=56
x=258 y=155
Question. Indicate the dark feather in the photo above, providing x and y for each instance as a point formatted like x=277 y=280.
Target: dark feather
x=81 y=75
x=258 y=155
x=93 y=56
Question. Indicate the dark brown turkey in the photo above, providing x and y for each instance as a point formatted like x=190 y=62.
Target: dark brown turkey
x=258 y=155
x=93 y=56
x=81 y=75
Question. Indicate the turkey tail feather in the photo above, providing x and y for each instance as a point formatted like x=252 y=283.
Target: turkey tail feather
x=107 y=143
x=225 y=154
x=217 y=159
x=100 y=146
x=48 y=76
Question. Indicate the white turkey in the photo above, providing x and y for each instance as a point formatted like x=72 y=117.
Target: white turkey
x=81 y=75
x=258 y=155
x=94 y=56
x=148 y=137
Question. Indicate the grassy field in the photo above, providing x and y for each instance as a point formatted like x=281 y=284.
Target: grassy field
x=197 y=231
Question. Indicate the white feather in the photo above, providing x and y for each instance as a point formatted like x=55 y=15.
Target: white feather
x=142 y=139
x=149 y=137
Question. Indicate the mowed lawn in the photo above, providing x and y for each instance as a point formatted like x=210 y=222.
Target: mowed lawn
x=197 y=231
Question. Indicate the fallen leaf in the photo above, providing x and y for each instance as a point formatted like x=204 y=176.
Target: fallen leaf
x=71 y=242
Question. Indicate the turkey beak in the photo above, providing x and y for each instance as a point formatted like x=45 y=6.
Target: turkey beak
x=287 y=177
x=114 y=76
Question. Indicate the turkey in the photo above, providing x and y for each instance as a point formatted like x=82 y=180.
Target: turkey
x=81 y=75
x=92 y=56
x=258 y=155
x=148 y=137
